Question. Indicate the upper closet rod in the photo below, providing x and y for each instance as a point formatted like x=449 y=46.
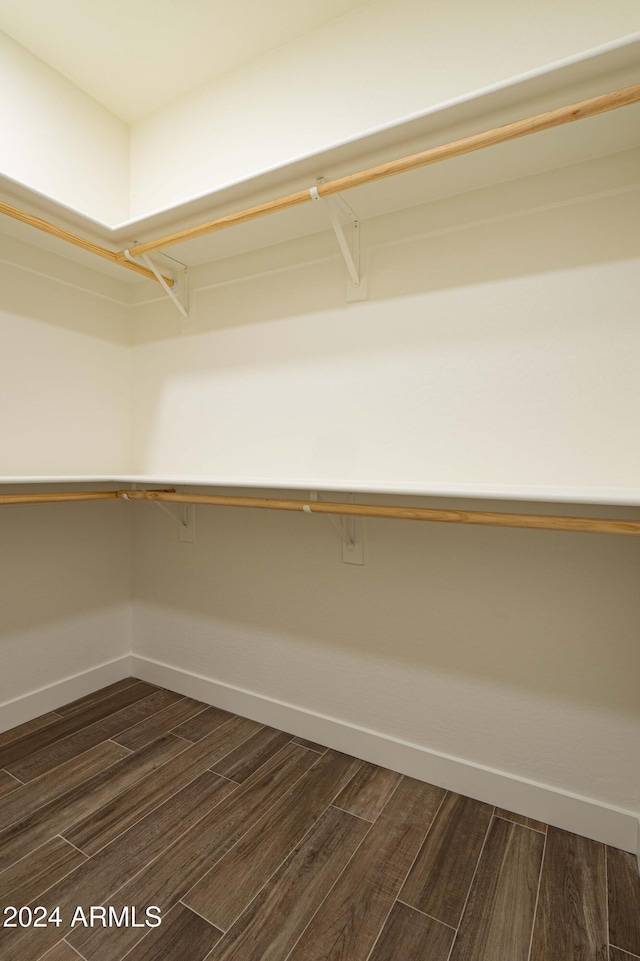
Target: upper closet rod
x=594 y=525
x=488 y=138
x=512 y=131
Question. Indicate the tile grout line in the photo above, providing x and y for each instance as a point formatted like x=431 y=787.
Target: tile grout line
x=102 y=700
x=264 y=726
x=475 y=873
x=19 y=783
x=138 y=782
x=64 y=941
x=42 y=728
x=70 y=871
x=139 y=942
x=209 y=956
x=535 y=907
x=85 y=728
x=319 y=908
x=142 y=720
x=170 y=731
x=284 y=796
x=424 y=914
x=357 y=848
x=67 y=841
x=30 y=853
x=151 y=716
x=197 y=714
x=408 y=871
x=39 y=896
x=387 y=802
x=297 y=739
x=624 y=952
x=134 y=680
x=193 y=743
x=337 y=880
x=141 y=780
x=178 y=839
x=298 y=844
x=359 y=816
x=57 y=797
x=188 y=907
x=113 y=893
x=527 y=826
x=230 y=779
x=122 y=747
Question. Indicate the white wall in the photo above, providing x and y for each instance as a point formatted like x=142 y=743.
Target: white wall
x=377 y=65
x=65 y=569
x=514 y=650
x=65 y=600
x=500 y=344
x=65 y=389
x=58 y=141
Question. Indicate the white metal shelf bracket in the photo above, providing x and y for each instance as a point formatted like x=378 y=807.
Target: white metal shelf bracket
x=185 y=518
x=171 y=292
x=351 y=255
x=350 y=529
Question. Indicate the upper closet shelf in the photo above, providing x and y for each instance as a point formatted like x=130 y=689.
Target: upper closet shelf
x=612 y=496
x=556 y=86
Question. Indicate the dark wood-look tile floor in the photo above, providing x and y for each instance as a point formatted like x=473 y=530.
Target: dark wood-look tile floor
x=254 y=845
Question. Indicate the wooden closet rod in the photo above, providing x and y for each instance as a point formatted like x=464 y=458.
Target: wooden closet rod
x=70 y=238
x=594 y=525
x=59 y=498
x=488 y=138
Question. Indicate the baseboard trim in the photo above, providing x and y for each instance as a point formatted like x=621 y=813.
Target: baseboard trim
x=582 y=815
x=46 y=699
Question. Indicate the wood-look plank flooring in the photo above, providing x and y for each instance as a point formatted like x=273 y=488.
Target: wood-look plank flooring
x=256 y=845
x=615 y=954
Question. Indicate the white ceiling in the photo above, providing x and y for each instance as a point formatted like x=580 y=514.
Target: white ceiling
x=134 y=56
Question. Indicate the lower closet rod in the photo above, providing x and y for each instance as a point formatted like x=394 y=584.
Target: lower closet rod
x=594 y=525
x=537 y=521
x=59 y=498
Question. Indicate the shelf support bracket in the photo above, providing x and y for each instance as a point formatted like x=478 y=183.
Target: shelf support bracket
x=185 y=518
x=352 y=260
x=350 y=529
x=169 y=291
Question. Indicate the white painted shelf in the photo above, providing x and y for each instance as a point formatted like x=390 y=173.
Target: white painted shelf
x=612 y=496
x=612 y=66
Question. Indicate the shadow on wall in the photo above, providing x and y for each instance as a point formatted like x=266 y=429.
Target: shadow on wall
x=550 y=614
x=499 y=316
x=516 y=382
x=60 y=562
x=496 y=234
x=27 y=295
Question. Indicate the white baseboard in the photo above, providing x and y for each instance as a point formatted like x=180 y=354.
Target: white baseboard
x=582 y=815
x=48 y=698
